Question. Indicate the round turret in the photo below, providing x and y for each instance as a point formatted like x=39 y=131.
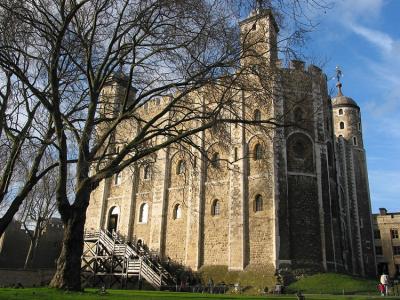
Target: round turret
x=347 y=118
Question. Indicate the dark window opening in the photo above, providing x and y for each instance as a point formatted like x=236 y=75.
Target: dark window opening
x=258 y=152
x=215 y=208
x=258 y=206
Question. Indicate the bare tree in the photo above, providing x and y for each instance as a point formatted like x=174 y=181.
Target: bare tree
x=24 y=128
x=185 y=53
x=37 y=210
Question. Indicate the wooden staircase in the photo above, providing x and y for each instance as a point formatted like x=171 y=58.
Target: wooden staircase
x=107 y=255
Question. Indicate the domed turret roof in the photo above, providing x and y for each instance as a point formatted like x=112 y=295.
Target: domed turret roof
x=341 y=100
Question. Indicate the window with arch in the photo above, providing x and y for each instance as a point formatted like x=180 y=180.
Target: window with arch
x=177 y=213
x=258 y=203
x=144 y=213
x=215 y=160
x=341 y=111
x=215 y=208
x=146 y=172
x=257 y=115
x=118 y=178
x=355 y=141
x=298 y=115
x=258 y=152
x=236 y=154
x=180 y=167
x=300 y=153
x=341 y=125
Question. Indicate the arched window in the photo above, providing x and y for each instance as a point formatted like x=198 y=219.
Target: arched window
x=146 y=172
x=258 y=203
x=355 y=141
x=298 y=115
x=299 y=149
x=341 y=124
x=144 y=213
x=215 y=208
x=177 y=212
x=341 y=111
x=258 y=152
x=215 y=160
x=300 y=153
x=257 y=115
x=236 y=153
x=180 y=168
x=118 y=178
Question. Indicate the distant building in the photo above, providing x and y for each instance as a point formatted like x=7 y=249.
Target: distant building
x=14 y=245
x=387 y=242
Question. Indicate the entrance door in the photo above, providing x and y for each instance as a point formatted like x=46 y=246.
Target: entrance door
x=113 y=219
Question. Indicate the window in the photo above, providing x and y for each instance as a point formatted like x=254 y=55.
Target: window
x=378 y=250
x=177 y=212
x=236 y=154
x=341 y=125
x=215 y=208
x=396 y=250
x=377 y=234
x=215 y=160
x=180 y=168
x=144 y=213
x=340 y=111
x=258 y=153
x=257 y=115
x=299 y=149
x=146 y=172
x=254 y=27
x=394 y=233
x=359 y=126
x=258 y=203
x=117 y=178
x=354 y=141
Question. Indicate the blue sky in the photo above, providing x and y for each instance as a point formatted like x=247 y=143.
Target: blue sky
x=363 y=38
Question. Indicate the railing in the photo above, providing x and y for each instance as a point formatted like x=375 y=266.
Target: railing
x=137 y=261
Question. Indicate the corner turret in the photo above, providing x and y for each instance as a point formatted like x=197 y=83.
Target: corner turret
x=259 y=38
x=347 y=118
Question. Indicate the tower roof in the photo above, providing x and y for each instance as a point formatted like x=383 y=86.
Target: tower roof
x=340 y=100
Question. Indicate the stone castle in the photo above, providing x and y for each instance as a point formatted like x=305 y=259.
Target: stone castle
x=290 y=197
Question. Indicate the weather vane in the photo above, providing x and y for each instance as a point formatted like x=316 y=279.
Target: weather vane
x=339 y=73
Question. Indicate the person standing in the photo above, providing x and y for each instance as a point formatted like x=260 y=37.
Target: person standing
x=385 y=281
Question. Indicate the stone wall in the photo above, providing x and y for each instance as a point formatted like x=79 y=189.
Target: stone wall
x=27 y=278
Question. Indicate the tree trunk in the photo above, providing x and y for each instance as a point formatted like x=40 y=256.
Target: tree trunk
x=30 y=256
x=68 y=273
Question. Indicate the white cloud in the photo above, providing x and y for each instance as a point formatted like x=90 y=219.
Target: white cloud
x=380 y=39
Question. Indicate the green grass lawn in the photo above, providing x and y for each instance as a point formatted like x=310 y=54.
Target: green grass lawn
x=51 y=294
x=333 y=283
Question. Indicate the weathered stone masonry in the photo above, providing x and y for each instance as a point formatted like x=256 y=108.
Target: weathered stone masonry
x=294 y=198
